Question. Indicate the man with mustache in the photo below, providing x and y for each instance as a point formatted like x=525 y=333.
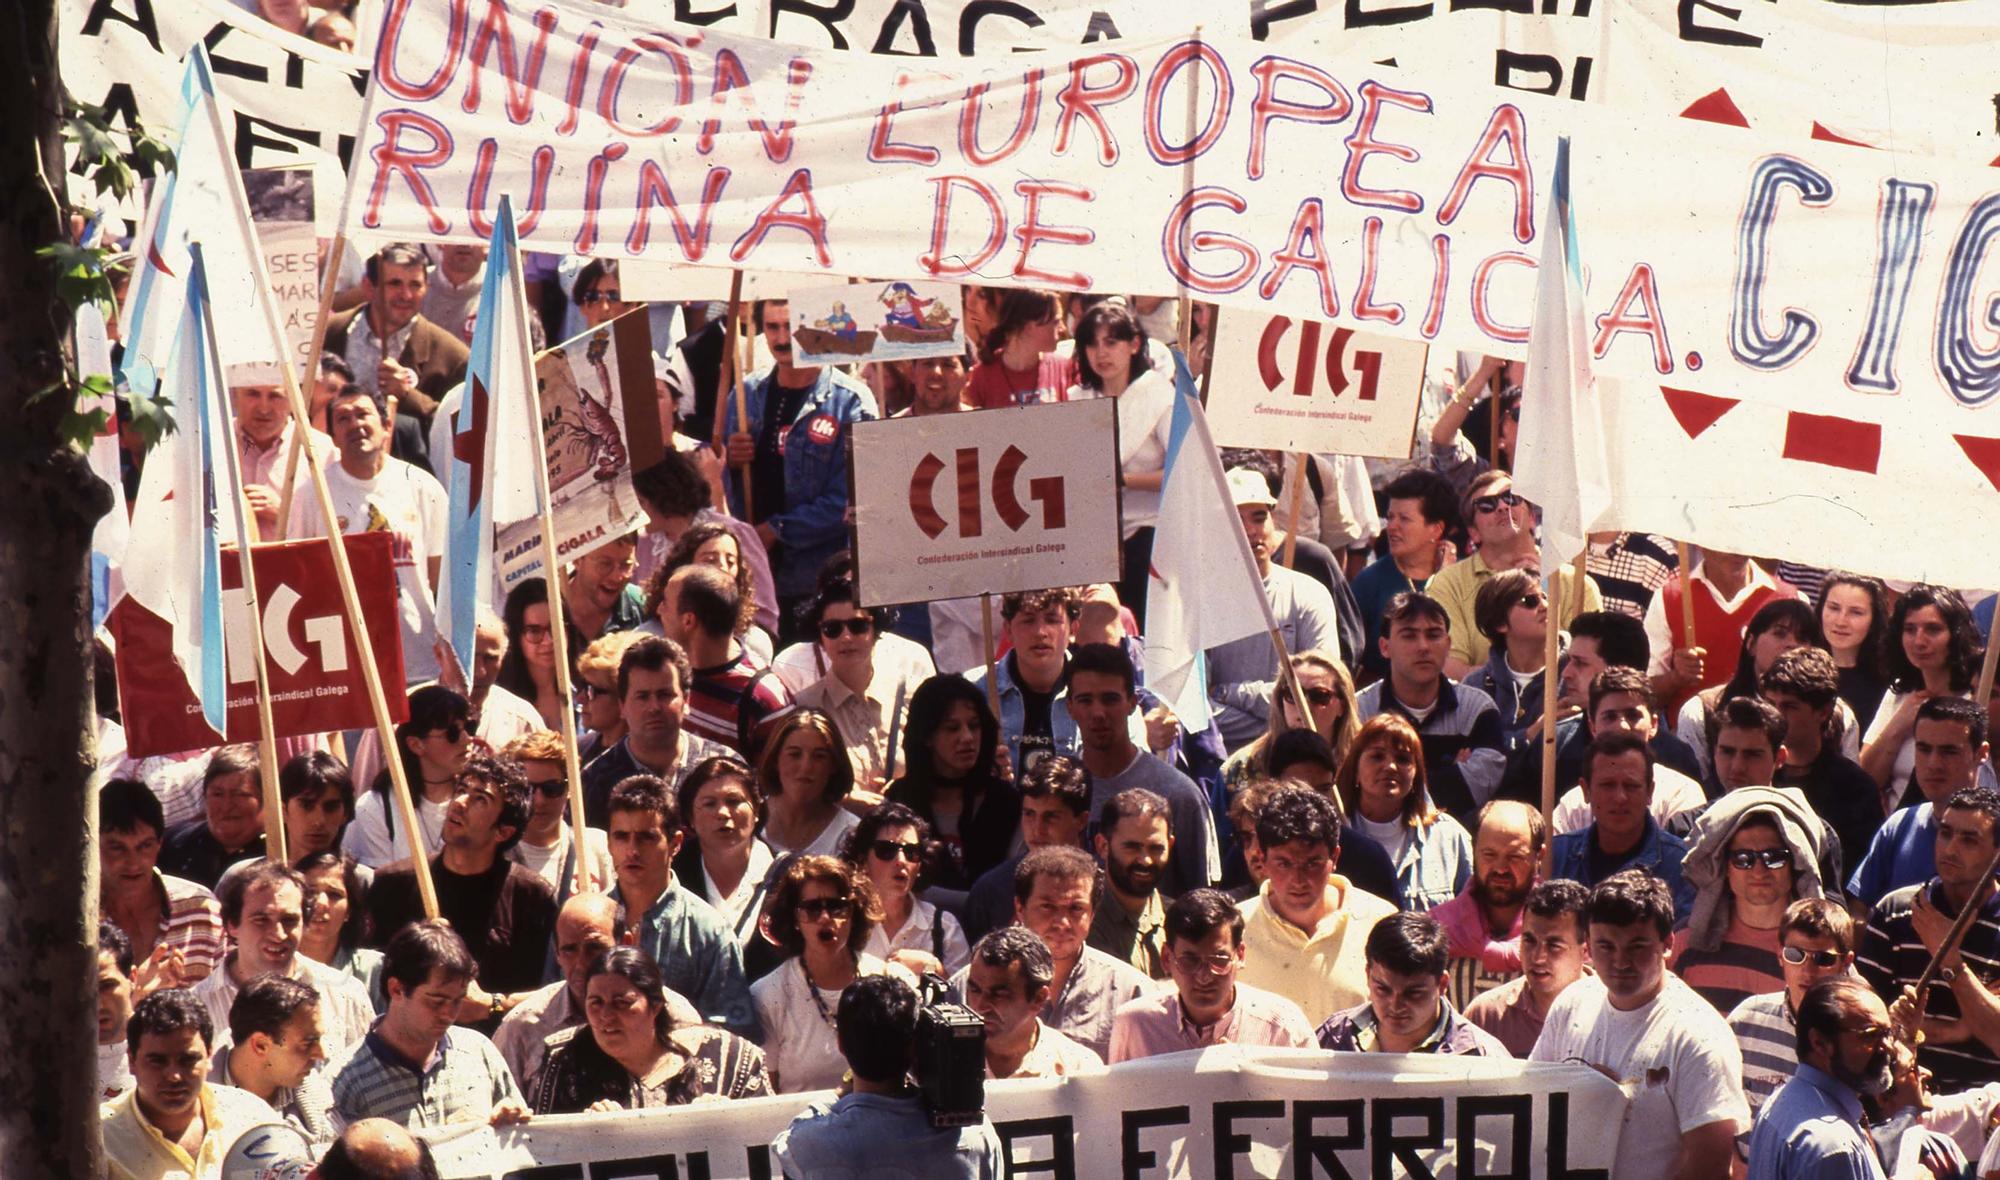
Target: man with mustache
x=1134 y=842
x=1814 y=1126
x=1483 y=923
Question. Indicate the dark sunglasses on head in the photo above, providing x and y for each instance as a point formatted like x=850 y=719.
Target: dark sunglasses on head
x=857 y=627
x=890 y=849
x=1492 y=503
x=1796 y=955
x=1770 y=858
x=826 y=907
x=550 y=788
x=590 y=297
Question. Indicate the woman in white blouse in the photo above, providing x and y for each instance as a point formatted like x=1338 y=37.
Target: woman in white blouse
x=723 y=862
x=804 y=775
x=889 y=845
x=1111 y=362
x=820 y=912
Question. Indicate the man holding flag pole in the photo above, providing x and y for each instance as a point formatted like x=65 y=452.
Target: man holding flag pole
x=1561 y=464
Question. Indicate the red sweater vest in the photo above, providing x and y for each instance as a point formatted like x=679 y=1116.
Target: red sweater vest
x=1717 y=631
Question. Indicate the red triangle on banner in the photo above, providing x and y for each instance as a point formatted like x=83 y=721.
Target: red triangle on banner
x=1716 y=107
x=1984 y=453
x=1696 y=412
x=1820 y=132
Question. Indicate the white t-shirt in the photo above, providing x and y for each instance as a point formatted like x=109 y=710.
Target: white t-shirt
x=408 y=503
x=1393 y=836
x=1145 y=423
x=1675 y=1058
x=367 y=839
x=1673 y=793
x=547 y=863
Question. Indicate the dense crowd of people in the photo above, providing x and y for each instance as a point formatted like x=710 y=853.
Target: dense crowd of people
x=796 y=806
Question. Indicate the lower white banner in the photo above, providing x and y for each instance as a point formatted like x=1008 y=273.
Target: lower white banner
x=1217 y=1113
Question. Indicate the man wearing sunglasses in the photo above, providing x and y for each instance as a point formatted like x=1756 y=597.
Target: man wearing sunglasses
x=1815 y=942
x=502 y=910
x=1206 y=1006
x=1503 y=525
x=1752 y=853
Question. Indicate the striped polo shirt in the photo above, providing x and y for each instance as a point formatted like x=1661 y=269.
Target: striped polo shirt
x=1892 y=957
x=1744 y=964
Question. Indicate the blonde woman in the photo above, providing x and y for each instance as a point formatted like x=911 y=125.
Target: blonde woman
x=596 y=687
x=1329 y=693
x=1381 y=785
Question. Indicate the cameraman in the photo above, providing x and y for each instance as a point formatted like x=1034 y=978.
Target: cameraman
x=881 y=1130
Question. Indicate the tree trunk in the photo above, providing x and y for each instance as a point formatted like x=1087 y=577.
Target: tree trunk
x=49 y=503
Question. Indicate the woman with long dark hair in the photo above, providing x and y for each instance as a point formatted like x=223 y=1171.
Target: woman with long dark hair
x=528 y=670
x=1932 y=650
x=948 y=746
x=432 y=744
x=1111 y=362
x=722 y=861
x=1018 y=364
x=338 y=887
x=891 y=845
x=1854 y=615
x=1779 y=626
x=628 y=1056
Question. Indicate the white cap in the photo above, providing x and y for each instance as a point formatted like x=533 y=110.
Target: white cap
x=1248 y=487
x=255 y=373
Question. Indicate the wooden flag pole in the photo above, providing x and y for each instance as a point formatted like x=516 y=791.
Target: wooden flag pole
x=986 y=644
x=1962 y=923
x=1551 y=587
x=1186 y=308
x=748 y=354
x=1298 y=494
x=329 y=279
x=725 y=378
x=343 y=570
x=1687 y=593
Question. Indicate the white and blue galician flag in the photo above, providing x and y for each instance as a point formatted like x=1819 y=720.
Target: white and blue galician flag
x=188 y=503
x=489 y=472
x=1560 y=463
x=199 y=201
x=1202 y=586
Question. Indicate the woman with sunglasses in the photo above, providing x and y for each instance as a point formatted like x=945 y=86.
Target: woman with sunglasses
x=546 y=848
x=889 y=845
x=1779 y=626
x=1511 y=613
x=722 y=861
x=1751 y=855
x=433 y=744
x=628 y=1056
x=952 y=782
x=1854 y=617
x=866 y=700
x=803 y=777
x=1382 y=789
x=820 y=912
x=600 y=715
x=1933 y=650
x=1018 y=364
x=528 y=670
x=1329 y=693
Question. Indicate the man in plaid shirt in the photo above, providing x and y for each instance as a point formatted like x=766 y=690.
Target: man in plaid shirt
x=415 y=1066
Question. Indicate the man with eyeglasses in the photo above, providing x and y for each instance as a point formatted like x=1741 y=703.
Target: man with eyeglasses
x=1961 y=1021
x=1303 y=932
x=587 y=926
x=1814 y=1127
x=731 y=695
x=1815 y=942
x=504 y=912
x=1503 y=525
x=1207 y=1004
x=546 y=848
x=1643 y=1028
x=794 y=445
x=598 y=593
x=653 y=676
x=1406 y=1010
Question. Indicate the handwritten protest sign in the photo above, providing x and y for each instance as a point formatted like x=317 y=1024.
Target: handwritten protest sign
x=986 y=501
x=1306 y=386
x=1207 y=1115
x=281 y=208
x=891 y=321
x=315 y=671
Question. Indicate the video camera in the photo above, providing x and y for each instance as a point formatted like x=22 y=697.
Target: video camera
x=950 y=1057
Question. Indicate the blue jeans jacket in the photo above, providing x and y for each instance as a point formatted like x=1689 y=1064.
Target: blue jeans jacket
x=1660 y=853
x=812 y=523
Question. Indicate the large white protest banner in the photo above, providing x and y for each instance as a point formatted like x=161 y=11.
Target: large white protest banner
x=1208 y=1115
x=1300 y=385
x=1822 y=278
x=948 y=505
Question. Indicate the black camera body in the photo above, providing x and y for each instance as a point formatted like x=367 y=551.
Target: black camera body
x=950 y=1058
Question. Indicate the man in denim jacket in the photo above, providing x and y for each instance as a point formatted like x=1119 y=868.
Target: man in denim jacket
x=795 y=448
